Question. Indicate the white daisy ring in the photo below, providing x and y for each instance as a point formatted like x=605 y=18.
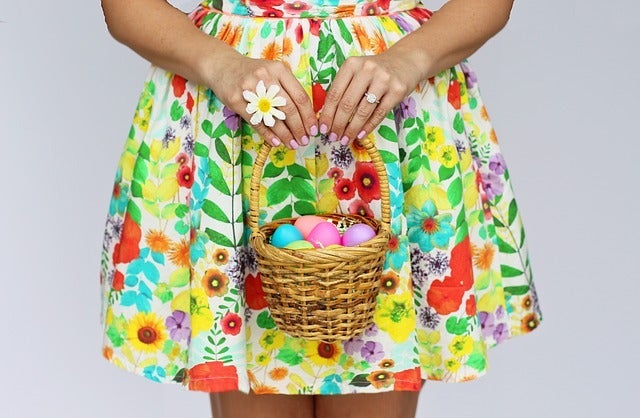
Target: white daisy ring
x=262 y=104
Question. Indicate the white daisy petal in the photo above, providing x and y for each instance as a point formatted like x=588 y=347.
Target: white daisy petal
x=278 y=101
x=278 y=114
x=273 y=90
x=251 y=107
x=249 y=96
x=269 y=120
x=261 y=89
x=256 y=118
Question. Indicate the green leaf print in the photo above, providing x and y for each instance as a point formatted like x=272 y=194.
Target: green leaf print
x=265 y=320
x=304 y=208
x=278 y=192
x=296 y=170
x=144 y=151
x=169 y=211
x=218 y=238
x=140 y=170
x=207 y=128
x=458 y=123
x=505 y=247
x=163 y=292
x=266 y=30
x=477 y=361
x=457 y=326
x=517 y=290
x=345 y=33
x=360 y=381
x=290 y=357
x=222 y=151
x=388 y=157
x=181 y=227
x=179 y=278
x=414 y=135
x=134 y=212
x=508 y=271
x=116 y=338
x=513 y=211
x=454 y=192
x=200 y=150
x=176 y=110
x=271 y=171
x=324 y=46
x=285 y=212
x=217 y=179
x=181 y=210
x=136 y=189
x=214 y=211
x=445 y=173
x=302 y=189
x=388 y=134
x=279 y=28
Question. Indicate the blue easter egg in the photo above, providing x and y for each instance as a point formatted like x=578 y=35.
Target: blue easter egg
x=285 y=234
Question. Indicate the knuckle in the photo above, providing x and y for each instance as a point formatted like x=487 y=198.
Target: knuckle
x=300 y=98
x=332 y=96
x=379 y=114
x=369 y=66
x=397 y=88
x=347 y=105
x=362 y=112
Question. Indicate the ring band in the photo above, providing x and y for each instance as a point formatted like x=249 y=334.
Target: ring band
x=371 y=98
x=262 y=104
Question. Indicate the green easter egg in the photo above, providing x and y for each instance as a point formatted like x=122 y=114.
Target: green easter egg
x=299 y=245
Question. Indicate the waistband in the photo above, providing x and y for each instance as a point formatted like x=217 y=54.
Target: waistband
x=310 y=8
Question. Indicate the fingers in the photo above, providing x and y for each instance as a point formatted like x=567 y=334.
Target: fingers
x=348 y=114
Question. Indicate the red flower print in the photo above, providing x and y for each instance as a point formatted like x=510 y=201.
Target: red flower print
x=366 y=180
x=445 y=296
x=231 y=324
x=299 y=33
x=179 y=85
x=318 y=94
x=407 y=379
x=190 y=102
x=253 y=292
x=128 y=249
x=213 y=376
x=118 y=282
x=335 y=173
x=461 y=266
x=182 y=158
x=272 y=12
x=266 y=4
x=344 y=189
x=454 y=94
x=296 y=7
x=185 y=176
x=471 y=306
x=314 y=26
x=370 y=10
x=361 y=208
x=383 y=4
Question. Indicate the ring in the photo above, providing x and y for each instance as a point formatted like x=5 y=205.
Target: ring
x=262 y=104
x=371 y=98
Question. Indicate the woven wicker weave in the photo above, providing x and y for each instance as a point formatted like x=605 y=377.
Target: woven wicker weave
x=326 y=294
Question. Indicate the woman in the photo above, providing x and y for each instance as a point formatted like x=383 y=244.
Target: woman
x=182 y=297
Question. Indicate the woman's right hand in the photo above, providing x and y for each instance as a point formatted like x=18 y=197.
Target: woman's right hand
x=229 y=73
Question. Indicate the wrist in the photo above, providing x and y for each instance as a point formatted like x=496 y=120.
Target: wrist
x=213 y=62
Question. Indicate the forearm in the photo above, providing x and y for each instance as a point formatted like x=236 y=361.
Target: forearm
x=165 y=36
x=453 y=33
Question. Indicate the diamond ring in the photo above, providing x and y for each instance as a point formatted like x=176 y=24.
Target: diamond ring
x=371 y=98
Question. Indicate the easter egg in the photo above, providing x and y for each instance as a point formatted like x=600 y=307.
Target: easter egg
x=306 y=224
x=285 y=234
x=299 y=245
x=323 y=235
x=356 y=234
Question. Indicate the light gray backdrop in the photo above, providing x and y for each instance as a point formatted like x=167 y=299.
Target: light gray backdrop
x=562 y=86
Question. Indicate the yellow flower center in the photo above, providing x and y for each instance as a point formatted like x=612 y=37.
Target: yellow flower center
x=264 y=105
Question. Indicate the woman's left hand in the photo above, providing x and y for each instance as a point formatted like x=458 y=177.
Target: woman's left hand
x=385 y=79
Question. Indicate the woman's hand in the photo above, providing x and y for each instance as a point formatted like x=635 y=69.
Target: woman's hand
x=385 y=79
x=232 y=73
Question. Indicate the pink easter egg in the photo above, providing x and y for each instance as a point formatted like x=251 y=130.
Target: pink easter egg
x=323 y=235
x=306 y=223
x=357 y=234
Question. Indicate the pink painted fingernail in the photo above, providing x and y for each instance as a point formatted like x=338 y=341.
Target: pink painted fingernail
x=314 y=130
x=333 y=137
x=361 y=134
x=344 y=140
x=323 y=129
x=294 y=144
x=304 y=140
x=275 y=142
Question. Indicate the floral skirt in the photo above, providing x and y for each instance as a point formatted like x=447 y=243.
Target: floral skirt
x=181 y=295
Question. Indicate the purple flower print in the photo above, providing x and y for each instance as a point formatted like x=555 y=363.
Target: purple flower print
x=404 y=25
x=231 y=119
x=178 y=325
x=487 y=323
x=371 y=331
x=501 y=333
x=353 y=345
x=469 y=75
x=497 y=164
x=405 y=109
x=372 y=351
x=492 y=184
x=499 y=313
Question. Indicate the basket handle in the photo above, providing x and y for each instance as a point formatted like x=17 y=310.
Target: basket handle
x=376 y=159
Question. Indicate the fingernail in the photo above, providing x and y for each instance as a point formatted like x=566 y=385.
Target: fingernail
x=314 y=130
x=304 y=140
x=323 y=129
x=293 y=144
x=361 y=134
x=333 y=137
x=275 y=142
x=344 y=140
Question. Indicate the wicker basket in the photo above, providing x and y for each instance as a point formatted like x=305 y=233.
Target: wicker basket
x=326 y=294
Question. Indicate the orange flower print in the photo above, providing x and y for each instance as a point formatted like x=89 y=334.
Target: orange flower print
x=213 y=376
x=278 y=373
x=381 y=379
x=221 y=256
x=483 y=256
x=529 y=323
x=157 y=241
x=215 y=283
x=128 y=249
x=389 y=282
x=179 y=253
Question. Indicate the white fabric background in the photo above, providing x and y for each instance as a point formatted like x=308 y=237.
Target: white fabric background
x=561 y=86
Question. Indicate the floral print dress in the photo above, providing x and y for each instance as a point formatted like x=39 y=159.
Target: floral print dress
x=182 y=298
